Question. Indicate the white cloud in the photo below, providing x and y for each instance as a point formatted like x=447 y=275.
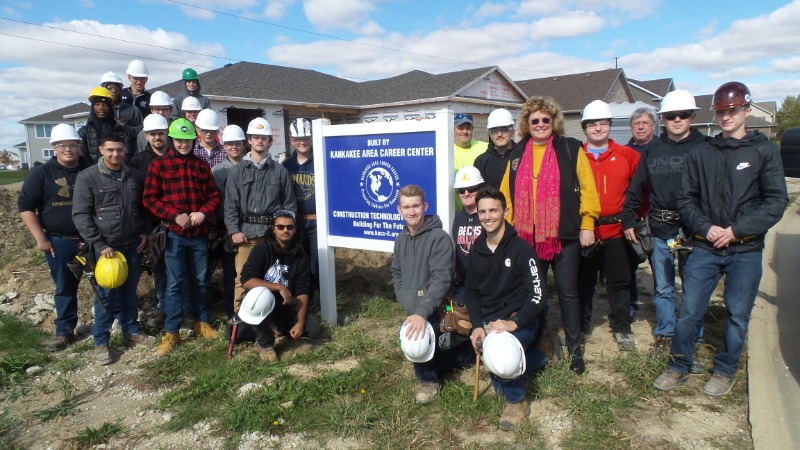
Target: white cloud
x=575 y=23
x=791 y=64
x=630 y=9
x=337 y=14
x=492 y=9
x=738 y=73
x=277 y=9
x=87 y=3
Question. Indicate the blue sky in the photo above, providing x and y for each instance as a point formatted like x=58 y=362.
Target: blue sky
x=52 y=53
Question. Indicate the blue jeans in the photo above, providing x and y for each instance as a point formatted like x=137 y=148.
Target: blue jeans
x=160 y=283
x=663 y=264
x=535 y=360
x=121 y=303
x=703 y=271
x=443 y=360
x=66 y=293
x=187 y=263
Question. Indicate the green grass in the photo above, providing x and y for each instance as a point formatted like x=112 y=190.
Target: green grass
x=20 y=348
x=90 y=437
x=12 y=176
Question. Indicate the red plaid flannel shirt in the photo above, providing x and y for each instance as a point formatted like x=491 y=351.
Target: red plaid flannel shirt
x=178 y=184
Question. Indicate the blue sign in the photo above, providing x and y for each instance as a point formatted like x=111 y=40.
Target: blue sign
x=364 y=175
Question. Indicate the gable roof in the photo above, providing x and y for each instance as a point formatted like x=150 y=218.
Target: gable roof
x=57 y=116
x=574 y=91
x=418 y=85
x=658 y=87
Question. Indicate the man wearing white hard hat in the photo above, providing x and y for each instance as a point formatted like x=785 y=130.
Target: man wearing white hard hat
x=466 y=226
x=45 y=206
x=660 y=173
x=136 y=94
x=233 y=139
x=505 y=293
x=422 y=271
x=160 y=104
x=255 y=189
x=613 y=166
x=492 y=163
x=207 y=146
x=280 y=264
x=126 y=114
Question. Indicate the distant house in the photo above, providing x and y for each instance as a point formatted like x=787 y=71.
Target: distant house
x=37 y=146
x=762 y=117
x=652 y=91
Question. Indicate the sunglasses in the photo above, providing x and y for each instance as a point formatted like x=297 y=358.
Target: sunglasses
x=468 y=190
x=544 y=120
x=683 y=115
x=460 y=116
x=284 y=227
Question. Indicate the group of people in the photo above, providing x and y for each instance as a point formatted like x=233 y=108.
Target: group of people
x=146 y=163
x=585 y=209
x=202 y=189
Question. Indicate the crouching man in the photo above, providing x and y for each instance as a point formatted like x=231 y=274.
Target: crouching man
x=280 y=264
x=422 y=271
x=107 y=210
x=504 y=293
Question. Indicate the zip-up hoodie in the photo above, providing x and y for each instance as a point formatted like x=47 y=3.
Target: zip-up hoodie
x=205 y=103
x=422 y=267
x=659 y=174
x=737 y=183
x=505 y=281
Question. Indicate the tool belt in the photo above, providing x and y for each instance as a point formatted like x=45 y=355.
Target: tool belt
x=608 y=220
x=454 y=317
x=306 y=217
x=260 y=219
x=665 y=215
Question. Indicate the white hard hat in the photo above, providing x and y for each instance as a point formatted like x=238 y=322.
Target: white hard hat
x=207 y=119
x=160 y=98
x=259 y=126
x=418 y=350
x=468 y=176
x=110 y=77
x=191 y=104
x=596 y=110
x=678 y=100
x=63 y=132
x=136 y=68
x=154 y=122
x=257 y=305
x=503 y=355
x=300 y=128
x=232 y=133
x=500 y=118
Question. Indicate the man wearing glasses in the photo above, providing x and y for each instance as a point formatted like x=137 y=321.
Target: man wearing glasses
x=136 y=94
x=465 y=149
x=493 y=162
x=660 y=174
x=45 y=206
x=207 y=147
x=466 y=226
x=254 y=190
x=279 y=263
x=733 y=192
x=613 y=166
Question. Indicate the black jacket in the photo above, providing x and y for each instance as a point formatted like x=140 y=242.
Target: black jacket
x=567 y=150
x=737 y=183
x=504 y=282
x=659 y=175
x=141 y=101
x=95 y=128
x=492 y=164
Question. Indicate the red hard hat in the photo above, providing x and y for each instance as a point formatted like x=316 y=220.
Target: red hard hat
x=730 y=95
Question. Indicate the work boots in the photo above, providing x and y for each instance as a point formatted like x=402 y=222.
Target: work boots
x=514 y=414
x=168 y=343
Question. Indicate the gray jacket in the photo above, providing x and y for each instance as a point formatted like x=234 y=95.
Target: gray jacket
x=250 y=190
x=422 y=267
x=108 y=212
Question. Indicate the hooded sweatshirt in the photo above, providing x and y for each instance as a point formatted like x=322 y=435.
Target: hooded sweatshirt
x=178 y=101
x=95 y=128
x=504 y=282
x=422 y=267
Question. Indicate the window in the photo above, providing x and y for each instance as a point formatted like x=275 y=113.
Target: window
x=48 y=153
x=43 y=131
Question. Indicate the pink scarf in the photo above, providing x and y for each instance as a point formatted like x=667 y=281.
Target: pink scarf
x=539 y=226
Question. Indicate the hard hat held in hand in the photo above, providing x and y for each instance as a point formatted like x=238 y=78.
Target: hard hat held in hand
x=257 y=305
x=111 y=272
x=503 y=355
x=418 y=350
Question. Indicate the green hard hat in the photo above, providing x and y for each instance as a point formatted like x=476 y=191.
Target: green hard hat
x=189 y=74
x=182 y=129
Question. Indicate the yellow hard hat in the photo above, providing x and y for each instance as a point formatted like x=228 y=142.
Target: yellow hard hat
x=100 y=91
x=111 y=272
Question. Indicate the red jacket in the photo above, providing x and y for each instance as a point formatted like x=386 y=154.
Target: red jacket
x=612 y=172
x=178 y=184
